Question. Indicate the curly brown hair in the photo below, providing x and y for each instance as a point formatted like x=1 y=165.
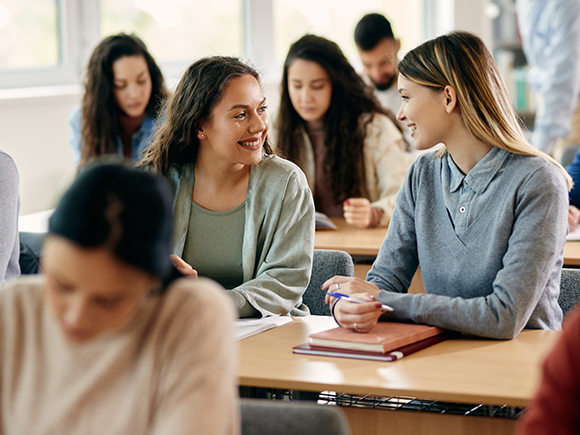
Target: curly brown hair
x=100 y=112
x=345 y=134
x=200 y=89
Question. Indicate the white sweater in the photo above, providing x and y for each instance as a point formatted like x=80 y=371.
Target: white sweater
x=171 y=370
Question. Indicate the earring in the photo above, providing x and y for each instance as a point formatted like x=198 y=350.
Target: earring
x=203 y=136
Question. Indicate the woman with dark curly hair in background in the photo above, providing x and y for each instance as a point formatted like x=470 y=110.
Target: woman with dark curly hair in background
x=123 y=90
x=329 y=123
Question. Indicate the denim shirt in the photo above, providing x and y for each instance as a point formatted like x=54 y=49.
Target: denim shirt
x=139 y=141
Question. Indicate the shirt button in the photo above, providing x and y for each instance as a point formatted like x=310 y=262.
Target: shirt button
x=461 y=209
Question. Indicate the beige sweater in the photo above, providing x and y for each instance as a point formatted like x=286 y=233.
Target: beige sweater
x=385 y=159
x=170 y=371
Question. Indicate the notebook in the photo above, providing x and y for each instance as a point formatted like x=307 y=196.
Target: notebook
x=384 y=337
x=324 y=222
x=390 y=356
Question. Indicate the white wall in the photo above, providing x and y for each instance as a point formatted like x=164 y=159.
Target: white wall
x=35 y=132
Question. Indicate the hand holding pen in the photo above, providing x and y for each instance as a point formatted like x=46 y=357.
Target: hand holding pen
x=361 y=315
x=356 y=300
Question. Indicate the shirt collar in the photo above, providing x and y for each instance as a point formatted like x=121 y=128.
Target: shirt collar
x=481 y=174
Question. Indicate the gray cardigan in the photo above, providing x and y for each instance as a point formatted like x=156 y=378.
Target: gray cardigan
x=9 y=209
x=502 y=273
x=278 y=242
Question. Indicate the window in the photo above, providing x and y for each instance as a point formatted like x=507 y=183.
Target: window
x=177 y=30
x=29 y=34
x=48 y=42
x=336 y=20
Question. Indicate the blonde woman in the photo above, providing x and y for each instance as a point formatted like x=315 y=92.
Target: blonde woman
x=485 y=216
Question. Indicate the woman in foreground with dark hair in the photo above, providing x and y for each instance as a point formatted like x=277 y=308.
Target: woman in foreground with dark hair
x=110 y=339
x=124 y=88
x=243 y=216
x=330 y=124
x=484 y=216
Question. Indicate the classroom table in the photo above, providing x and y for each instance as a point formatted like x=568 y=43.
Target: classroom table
x=572 y=254
x=475 y=371
x=367 y=242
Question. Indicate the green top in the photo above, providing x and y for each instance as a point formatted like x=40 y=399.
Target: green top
x=213 y=245
x=278 y=242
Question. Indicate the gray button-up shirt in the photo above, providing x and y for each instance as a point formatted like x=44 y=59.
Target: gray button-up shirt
x=489 y=244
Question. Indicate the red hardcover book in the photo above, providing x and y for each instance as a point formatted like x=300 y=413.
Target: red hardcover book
x=390 y=356
x=382 y=338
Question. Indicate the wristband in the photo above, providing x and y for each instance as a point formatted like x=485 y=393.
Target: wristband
x=332 y=305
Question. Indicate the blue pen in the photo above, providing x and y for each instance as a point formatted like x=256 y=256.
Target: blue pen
x=356 y=300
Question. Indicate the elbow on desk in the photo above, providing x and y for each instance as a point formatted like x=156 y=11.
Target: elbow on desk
x=508 y=327
x=506 y=333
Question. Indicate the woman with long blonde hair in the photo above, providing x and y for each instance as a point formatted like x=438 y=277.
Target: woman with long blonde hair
x=485 y=216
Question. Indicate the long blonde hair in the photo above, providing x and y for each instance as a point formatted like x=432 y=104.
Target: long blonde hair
x=461 y=60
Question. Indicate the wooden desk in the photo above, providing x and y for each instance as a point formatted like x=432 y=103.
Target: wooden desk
x=367 y=242
x=572 y=254
x=361 y=243
x=467 y=371
x=355 y=241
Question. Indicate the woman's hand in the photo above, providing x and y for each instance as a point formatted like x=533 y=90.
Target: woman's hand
x=573 y=218
x=183 y=267
x=360 y=213
x=359 y=317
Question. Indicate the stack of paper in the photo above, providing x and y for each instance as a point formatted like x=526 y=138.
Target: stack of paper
x=247 y=327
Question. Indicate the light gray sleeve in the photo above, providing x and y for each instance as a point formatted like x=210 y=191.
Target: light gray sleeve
x=9 y=208
x=242 y=304
x=397 y=260
x=283 y=276
x=534 y=255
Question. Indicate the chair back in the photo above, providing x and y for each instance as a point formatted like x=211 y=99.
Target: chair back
x=569 y=289
x=326 y=264
x=274 y=417
x=30 y=247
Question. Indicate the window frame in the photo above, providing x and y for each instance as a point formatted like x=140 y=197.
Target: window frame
x=79 y=27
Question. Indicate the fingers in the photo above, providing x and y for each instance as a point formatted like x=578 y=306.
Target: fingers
x=358 y=317
x=573 y=217
x=183 y=267
x=572 y=222
x=190 y=272
x=178 y=261
x=337 y=279
x=357 y=211
x=357 y=203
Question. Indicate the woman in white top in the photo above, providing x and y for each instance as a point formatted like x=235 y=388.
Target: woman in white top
x=111 y=339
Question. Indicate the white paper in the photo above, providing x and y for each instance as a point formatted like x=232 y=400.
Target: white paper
x=574 y=235
x=35 y=222
x=247 y=327
x=323 y=221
